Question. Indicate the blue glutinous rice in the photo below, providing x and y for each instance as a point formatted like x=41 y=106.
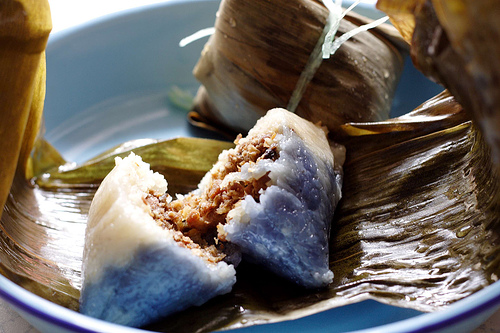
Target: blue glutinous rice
x=270 y=199
x=135 y=271
x=286 y=226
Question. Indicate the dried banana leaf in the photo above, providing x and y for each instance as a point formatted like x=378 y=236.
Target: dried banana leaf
x=455 y=42
x=415 y=205
x=260 y=48
x=417 y=227
x=24 y=29
x=441 y=111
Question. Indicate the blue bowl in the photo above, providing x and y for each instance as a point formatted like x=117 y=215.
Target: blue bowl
x=109 y=81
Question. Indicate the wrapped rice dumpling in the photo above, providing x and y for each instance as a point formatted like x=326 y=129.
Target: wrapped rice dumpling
x=271 y=198
x=259 y=50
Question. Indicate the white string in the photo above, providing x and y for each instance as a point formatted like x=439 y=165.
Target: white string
x=315 y=58
x=197 y=35
x=335 y=15
x=337 y=43
x=327 y=46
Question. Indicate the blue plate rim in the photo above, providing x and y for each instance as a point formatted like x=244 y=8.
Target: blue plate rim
x=485 y=300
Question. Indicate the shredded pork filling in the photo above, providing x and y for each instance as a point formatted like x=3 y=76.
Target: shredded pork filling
x=194 y=218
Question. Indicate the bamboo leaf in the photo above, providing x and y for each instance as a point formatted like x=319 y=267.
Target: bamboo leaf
x=447 y=45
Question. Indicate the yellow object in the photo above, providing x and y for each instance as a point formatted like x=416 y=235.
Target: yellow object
x=401 y=14
x=24 y=29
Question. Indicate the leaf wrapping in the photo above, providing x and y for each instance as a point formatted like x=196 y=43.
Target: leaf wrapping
x=418 y=218
x=255 y=57
x=454 y=42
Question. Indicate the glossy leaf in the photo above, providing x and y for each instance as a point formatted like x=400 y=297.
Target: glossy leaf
x=417 y=226
x=454 y=43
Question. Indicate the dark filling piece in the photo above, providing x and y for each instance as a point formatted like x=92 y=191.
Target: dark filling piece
x=194 y=219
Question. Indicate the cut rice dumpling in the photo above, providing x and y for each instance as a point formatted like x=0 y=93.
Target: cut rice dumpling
x=135 y=271
x=272 y=197
x=285 y=225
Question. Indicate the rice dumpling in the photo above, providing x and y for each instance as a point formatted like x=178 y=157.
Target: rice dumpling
x=135 y=271
x=259 y=50
x=271 y=198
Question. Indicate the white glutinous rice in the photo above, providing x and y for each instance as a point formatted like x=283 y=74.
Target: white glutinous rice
x=270 y=200
x=134 y=271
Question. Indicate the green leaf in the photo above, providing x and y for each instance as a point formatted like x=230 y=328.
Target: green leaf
x=183 y=161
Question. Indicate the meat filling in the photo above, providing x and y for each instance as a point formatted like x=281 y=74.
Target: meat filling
x=194 y=218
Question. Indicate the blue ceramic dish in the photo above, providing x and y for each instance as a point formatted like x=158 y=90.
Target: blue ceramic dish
x=101 y=74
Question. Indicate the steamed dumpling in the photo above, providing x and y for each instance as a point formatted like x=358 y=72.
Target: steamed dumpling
x=136 y=271
x=270 y=199
x=284 y=224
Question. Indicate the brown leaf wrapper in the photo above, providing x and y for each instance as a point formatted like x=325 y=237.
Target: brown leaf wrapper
x=455 y=43
x=260 y=48
x=417 y=225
